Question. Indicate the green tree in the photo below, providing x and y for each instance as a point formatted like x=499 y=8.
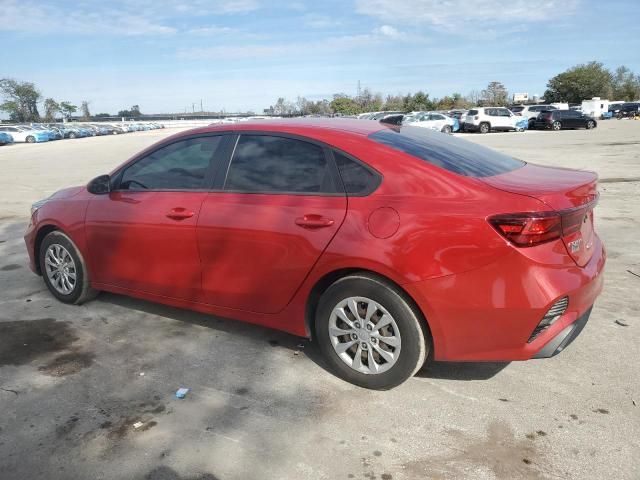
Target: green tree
x=51 y=107
x=68 y=109
x=418 y=101
x=344 y=105
x=394 y=103
x=21 y=100
x=625 y=84
x=495 y=94
x=579 y=83
x=135 y=111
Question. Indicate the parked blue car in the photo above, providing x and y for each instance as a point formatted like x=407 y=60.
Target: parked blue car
x=5 y=138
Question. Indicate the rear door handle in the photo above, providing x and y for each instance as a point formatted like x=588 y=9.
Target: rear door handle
x=180 y=213
x=314 y=221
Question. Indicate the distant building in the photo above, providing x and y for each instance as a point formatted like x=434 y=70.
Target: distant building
x=520 y=97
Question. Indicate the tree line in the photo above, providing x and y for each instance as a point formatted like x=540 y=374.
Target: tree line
x=578 y=83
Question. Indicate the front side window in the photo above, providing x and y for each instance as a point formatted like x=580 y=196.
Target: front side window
x=182 y=165
x=270 y=164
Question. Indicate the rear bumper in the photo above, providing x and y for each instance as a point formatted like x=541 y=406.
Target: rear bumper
x=564 y=338
x=490 y=313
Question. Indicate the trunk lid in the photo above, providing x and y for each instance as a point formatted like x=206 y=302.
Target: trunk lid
x=571 y=193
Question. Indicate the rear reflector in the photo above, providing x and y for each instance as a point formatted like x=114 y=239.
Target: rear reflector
x=534 y=228
x=553 y=314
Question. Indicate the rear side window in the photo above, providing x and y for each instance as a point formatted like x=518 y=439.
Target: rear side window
x=444 y=151
x=270 y=164
x=357 y=179
x=472 y=112
x=182 y=165
x=517 y=109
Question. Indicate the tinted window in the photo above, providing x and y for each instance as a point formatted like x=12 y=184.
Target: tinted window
x=472 y=112
x=356 y=178
x=263 y=163
x=180 y=166
x=503 y=112
x=517 y=109
x=453 y=154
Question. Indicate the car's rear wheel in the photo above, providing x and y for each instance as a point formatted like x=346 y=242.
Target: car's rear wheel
x=31 y=139
x=484 y=127
x=590 y=124
x=64 y=270
x=72 y=135
x=446 y=129
x=556 y=126
x=369 y=333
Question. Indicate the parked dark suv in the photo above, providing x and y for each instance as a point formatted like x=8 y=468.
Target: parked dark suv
x=559 y=119
x=626 y=110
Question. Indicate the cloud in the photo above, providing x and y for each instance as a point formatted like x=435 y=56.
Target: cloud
x=391 y=32
x=315 y=20
x=210 y=31
x=115 y=17
x=453 y=13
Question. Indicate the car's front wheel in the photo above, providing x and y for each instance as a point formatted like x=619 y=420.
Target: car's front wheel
x=446 y=129
x=31 y=139
x=369 y=333
x=64 y=270
x=484 y=127
x=590 y=124
x=556 y=126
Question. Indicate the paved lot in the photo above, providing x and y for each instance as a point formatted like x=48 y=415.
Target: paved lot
x=262 y=405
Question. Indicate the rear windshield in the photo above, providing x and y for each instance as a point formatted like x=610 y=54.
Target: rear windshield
x=444 y=151
x=516 y=109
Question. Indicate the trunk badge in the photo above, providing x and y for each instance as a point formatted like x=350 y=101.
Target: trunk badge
x=574 y=246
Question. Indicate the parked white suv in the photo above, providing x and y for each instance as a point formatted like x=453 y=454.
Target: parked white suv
x=433 y=120
x=531 y=111
x=485 y=119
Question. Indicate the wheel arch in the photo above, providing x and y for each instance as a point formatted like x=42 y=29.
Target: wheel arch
x=331 y=277
x=43 y=231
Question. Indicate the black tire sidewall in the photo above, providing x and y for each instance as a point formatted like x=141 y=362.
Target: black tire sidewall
x=483 y=126
x=81 y=278
x=412 y=332
x=31 y=139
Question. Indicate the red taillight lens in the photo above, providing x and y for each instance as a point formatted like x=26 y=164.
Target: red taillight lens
x=527 y=230
x=476 y=117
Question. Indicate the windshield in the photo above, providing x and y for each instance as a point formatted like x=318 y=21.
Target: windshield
x=444 y=151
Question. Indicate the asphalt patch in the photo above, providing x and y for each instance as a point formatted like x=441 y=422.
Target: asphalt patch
x=67 y=364
x=8 y=268
x=23 y=341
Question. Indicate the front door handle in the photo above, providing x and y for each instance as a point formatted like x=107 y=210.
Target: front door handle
x=314 y=221
x=180 y=213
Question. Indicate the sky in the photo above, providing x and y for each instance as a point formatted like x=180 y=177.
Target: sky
x=239 y=55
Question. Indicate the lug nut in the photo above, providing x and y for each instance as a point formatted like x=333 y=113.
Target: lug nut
x=364 y=346
x=354 y=336
x=369 y=327
x=357 y=324
x=374 y=340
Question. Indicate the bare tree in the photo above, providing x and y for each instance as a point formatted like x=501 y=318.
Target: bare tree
x=84 y=109
x=495 y=94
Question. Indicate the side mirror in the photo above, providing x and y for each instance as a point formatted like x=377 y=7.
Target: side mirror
x=100 y=185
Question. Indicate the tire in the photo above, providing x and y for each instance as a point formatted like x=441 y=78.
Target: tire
x=556 y=126
x=31 y=139
x=446 y=129
x=72 y=135
x=590 y=125
x=485 y=127
x=57 y=245
x=410 y=339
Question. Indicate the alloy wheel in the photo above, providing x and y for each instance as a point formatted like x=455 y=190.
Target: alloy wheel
x=60 y=269
x=365 y=335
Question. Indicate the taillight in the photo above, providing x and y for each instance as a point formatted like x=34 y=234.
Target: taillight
x=476 y=117
x=528 y=229
x=533 y=228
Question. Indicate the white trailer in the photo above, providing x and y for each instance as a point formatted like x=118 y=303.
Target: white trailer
x=595 y=107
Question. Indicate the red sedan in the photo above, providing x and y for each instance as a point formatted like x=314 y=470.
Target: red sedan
x=385 y=244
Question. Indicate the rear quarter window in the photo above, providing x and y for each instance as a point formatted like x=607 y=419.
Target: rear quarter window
x=453 y=154
x=472 y=112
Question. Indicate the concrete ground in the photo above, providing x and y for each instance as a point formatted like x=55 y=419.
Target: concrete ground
x=75 y=380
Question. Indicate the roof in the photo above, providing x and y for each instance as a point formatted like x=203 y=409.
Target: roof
x=350 y=125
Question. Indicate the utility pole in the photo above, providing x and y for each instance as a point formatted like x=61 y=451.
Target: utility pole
x=201 y=109
x=359 y=91
x=193 y=108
